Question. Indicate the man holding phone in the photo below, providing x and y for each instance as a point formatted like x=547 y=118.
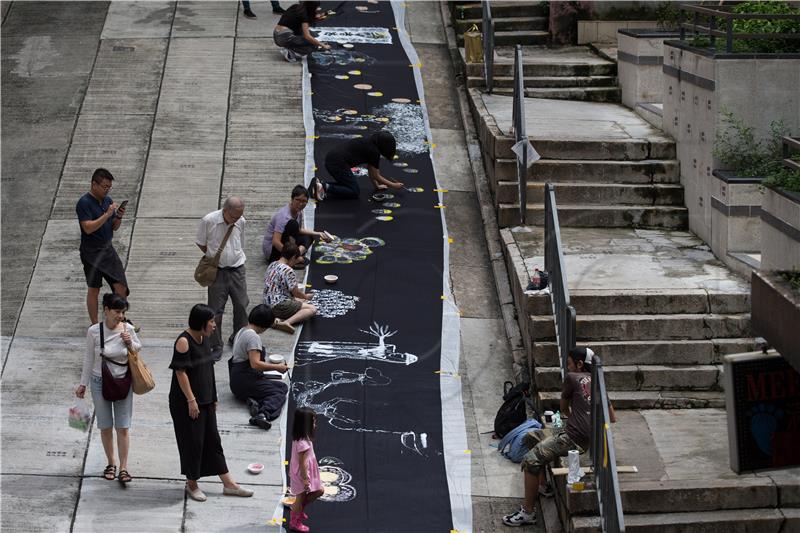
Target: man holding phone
x=99 y=217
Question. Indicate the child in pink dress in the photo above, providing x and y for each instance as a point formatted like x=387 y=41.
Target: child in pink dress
x=304 y=480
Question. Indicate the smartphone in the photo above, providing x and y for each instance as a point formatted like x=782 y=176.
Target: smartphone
x=122 y=205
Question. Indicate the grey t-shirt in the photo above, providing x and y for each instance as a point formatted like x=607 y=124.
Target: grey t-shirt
x=578 y=391
x=245 y=340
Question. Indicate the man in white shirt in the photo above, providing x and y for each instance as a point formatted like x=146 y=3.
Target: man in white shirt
x=231 y=280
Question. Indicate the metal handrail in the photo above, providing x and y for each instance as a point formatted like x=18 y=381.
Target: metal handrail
x=563 y=312
x=790 y=144
x=710 y=28
x=488 y=46
x=604 y=460
x=518 y=123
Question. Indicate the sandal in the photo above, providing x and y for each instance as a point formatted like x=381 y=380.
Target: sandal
x=110 y=472
x=124 y=477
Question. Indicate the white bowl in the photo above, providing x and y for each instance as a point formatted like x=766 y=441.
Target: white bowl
x=276 y=359
x=331 y=279
x=255 y=468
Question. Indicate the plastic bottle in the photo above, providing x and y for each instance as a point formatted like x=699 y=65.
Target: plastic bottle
x=557 y=423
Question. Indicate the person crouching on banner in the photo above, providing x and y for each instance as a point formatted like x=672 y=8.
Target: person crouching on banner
x=282 y=294
x=292 y=33
x=304 y=478
x=576 y=403
x=341 y=159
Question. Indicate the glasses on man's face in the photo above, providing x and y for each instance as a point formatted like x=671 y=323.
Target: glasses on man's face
x=105 y=187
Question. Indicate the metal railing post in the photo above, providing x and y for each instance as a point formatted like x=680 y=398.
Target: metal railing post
x=729 y=34
x=603 y=456
x=488 y=45
x=519 y=133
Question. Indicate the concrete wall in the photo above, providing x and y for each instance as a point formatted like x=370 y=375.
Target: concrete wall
x=780 y=231
x=639 y=66
x=735 y=215
x=696 y=88
x=605 y=31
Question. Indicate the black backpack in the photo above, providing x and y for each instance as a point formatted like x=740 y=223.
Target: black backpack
x=513 y=411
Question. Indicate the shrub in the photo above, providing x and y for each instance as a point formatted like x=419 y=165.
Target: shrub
x=739 y=150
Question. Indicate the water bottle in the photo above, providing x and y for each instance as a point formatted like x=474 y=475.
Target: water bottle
x=557 y=423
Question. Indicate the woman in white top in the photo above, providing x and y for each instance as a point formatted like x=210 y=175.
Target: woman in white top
x=118 y=336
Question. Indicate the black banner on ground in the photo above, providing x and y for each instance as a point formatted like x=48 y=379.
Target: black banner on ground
x=371 y=364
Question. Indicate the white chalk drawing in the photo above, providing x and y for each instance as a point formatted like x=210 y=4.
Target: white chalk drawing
x=342 y=58
x=384 y=218
x=341 y=135
x=407 y=124
x=341 y=413
x=391 y=204
x=335 y=481
x=346 y=251
x=311 y=352
x=331 y=303
x=366 y=35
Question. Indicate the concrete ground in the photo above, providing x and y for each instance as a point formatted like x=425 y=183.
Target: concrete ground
x=186 y=103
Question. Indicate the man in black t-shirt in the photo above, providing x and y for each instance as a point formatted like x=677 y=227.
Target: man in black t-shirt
x=576 y=404
x=343 y=157
x=99 y=217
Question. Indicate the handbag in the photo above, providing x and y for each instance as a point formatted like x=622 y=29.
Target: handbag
x=206 y=271
x=473 y=45
x=143 y=381
x=114 y=388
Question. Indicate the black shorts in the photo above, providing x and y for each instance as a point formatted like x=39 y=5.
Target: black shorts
x=103 y=264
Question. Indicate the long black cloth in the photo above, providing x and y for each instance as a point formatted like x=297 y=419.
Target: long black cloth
x=364 y=404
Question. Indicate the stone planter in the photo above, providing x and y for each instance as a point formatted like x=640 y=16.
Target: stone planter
x=640 y=56
x=698 y=85
x=776 y=314
x=735 y=217
x=780 y=230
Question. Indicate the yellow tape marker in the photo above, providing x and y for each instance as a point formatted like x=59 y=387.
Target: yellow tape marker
x=450 y=240
x=443 y=297
x=313 y=137
x=315 y=169
x=439 y=206
x=286 y=463
x=468 y=452
x=308 y=285
x=441 y=190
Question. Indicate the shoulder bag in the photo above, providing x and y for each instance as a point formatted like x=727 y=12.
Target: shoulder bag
x=114 y=389
x=141 y=376
x=206 y=271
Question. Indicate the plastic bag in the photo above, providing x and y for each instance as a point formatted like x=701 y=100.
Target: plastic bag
x=79 y=415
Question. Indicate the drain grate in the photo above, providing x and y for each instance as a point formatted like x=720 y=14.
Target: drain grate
x=123 y=48
x=56 y=453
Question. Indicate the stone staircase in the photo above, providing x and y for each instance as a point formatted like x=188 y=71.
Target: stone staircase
x=514 y=22
x=631 y=181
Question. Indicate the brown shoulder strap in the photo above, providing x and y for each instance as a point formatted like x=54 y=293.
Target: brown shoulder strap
x=224 y=241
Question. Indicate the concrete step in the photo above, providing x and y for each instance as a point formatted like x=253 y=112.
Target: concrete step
x=608 y=216
x=646 y=301
x=648 y=327
x=673 y=352
x=514 y=22
x=600 y=171
x=595 y=193
x=685 y=495
x=729 y=521
x=514 y=37
x=507 y=82
x=643 y=377
x=592 y=150
x=583 y=94
x=647 y=399
x=531 y=68
x=473 y=10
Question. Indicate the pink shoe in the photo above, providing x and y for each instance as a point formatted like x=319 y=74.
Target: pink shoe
x=295 y=523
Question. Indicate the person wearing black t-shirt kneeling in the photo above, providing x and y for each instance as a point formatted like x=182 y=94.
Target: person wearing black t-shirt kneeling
x=292 y=33
x=340 y=161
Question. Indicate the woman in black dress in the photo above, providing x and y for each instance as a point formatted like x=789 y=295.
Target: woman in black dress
x=193 y=404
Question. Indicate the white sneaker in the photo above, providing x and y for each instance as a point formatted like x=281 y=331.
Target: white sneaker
x=520 y=518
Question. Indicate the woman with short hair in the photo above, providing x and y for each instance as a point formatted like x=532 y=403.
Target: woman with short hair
x=281 y=293
x=193 y=407
x=110 y=340
x=264 y=396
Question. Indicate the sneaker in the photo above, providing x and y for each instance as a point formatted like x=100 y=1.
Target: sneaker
x=249 y=14
x=546 y=490
x=520 y=518
x=280 y=325
x=253 y=406
x=288 y=55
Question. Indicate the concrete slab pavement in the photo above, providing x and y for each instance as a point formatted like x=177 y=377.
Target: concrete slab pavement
x=207 y=143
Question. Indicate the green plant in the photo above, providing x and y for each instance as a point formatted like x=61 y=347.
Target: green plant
x=667 y=16
x=784 y=178
x=793 y=277
x=739 y=149
x=761 y=45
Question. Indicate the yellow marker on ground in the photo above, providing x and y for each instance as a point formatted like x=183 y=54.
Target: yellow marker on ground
x=435 y=190
x=450 y=240
x=439 y=206
x=443 y=297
